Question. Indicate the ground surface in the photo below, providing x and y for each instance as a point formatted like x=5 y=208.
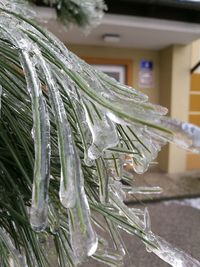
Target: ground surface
x=175 y=221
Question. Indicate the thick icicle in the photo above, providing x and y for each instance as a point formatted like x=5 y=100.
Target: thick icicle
x=41 y=135
x=170 y=254
x=1 y=90
x=83 y=238
x=77 y=104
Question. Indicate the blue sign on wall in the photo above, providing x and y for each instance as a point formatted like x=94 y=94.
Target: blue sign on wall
x=146 y=65
x=146 y=74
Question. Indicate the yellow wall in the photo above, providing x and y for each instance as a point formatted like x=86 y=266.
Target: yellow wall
x=166 y=57
x=195 y=56
x=174 y=94
x=193 y=160
x=125 y=53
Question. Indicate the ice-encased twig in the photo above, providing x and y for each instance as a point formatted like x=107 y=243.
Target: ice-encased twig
x=116 y=200
x=11 y=254
x=103 y=131
x=102 y=175
x=170 y=254
x=41 y=135
x=107 y=256
x=76 y=103
x=145 y=190
x=1 y=91
x=147 y=221
x=65 y=138
x=83 y=237
x=41 y=129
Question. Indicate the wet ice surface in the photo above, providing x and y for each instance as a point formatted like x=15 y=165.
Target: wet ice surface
x=175 y=221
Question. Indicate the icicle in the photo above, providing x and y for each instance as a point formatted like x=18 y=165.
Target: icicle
x=1 y=90
x=146 y=146
x=72 y=91
x=124 y=210
x=170 y=254
x=146 y=190
x=185 y=135
x=103 y=131
x=42 y=147
x=65 y=138
x=41 y=134
x=85 y=133
x=103 y=180
x=109 y=258
x=13 y=255
x=114 y=164
x=83 y=238
x=117 y=188
x=147 y=221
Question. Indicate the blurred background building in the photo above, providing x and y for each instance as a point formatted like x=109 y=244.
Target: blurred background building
x=153 y=46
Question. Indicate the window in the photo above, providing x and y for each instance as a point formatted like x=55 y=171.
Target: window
x=119 y=69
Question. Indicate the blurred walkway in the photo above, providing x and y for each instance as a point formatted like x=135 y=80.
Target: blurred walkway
x=184 y=185
x=175 y=216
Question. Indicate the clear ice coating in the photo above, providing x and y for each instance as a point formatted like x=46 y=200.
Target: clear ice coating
x=147 y=221
x=65 y=138
x=146 y=190
x=1 y=91
x=114 y=164
x=41 y=135
x=108 y=256
x=82 y=98
x=16 y=259
x=172 y=255
x=104 y=134
x=83 y=237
